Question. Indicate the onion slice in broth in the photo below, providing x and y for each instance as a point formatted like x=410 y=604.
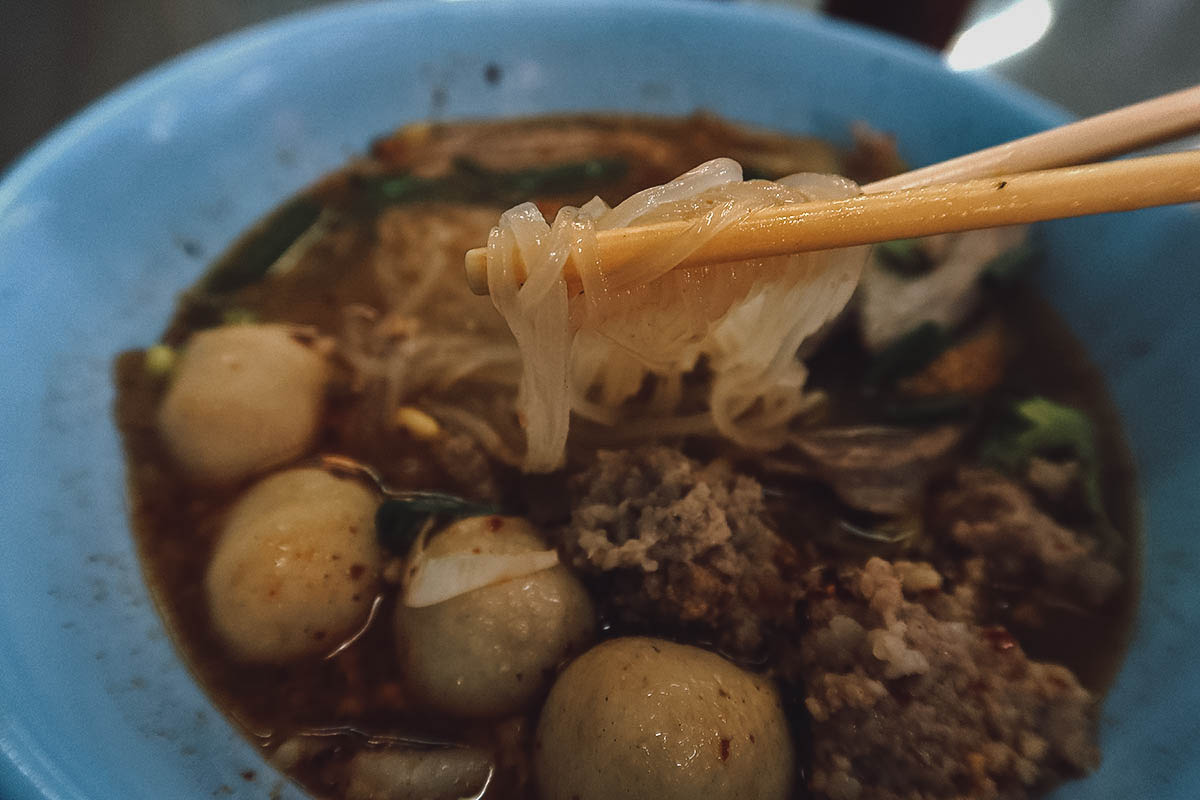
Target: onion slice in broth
x=436 y=579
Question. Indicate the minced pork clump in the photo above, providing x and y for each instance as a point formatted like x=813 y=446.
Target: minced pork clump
x=992 y=516
x=910 y=697
x=686 y=543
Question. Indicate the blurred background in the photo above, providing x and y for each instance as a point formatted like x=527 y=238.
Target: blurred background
x=1087 y=55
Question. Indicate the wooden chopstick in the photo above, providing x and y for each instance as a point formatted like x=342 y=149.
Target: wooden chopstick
x=923 y=211
x=1123 y=130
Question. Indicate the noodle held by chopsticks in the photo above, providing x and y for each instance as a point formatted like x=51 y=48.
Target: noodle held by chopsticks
x=595 y=347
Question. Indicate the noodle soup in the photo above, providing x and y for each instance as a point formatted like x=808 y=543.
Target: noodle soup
x=890 y=554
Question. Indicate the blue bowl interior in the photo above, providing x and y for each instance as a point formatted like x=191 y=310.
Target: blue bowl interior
x=100 y=226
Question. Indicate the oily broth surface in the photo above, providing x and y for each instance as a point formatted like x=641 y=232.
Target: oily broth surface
x=176 y=523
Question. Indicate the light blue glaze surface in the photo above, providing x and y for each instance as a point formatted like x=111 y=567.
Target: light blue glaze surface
x=93 y=701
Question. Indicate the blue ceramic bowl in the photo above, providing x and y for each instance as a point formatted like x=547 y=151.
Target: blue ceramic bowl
x=119 y=210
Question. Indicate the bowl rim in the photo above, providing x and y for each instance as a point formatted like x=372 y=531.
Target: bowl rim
x=41 y=155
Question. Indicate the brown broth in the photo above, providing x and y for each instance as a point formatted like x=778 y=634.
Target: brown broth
x=1046 y=360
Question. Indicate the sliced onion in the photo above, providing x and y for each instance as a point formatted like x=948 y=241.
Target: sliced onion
x=437 y=579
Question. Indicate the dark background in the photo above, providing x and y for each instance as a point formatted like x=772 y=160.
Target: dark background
x=58 y=55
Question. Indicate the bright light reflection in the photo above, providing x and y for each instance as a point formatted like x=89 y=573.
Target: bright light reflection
x=1001 y=35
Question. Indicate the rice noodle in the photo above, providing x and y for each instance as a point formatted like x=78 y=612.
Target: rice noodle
x=426 y=368
x=594 y=352
x=477 y=428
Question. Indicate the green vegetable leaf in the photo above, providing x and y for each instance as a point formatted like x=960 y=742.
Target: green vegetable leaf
x=559 y=178
x=1011 y=266
x=905 y=257
x=1045 y=428
x=1042 y=427
x=399 y=518
x=253 y=257
x=470 y=182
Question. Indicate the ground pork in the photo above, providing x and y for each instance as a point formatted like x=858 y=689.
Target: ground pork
x=910 y=699
x=683 y=543
x=996 y=518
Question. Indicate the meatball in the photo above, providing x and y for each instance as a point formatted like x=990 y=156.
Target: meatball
x=296 y=567
x=244 y=398
x=491 y=651
x=646 y=718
